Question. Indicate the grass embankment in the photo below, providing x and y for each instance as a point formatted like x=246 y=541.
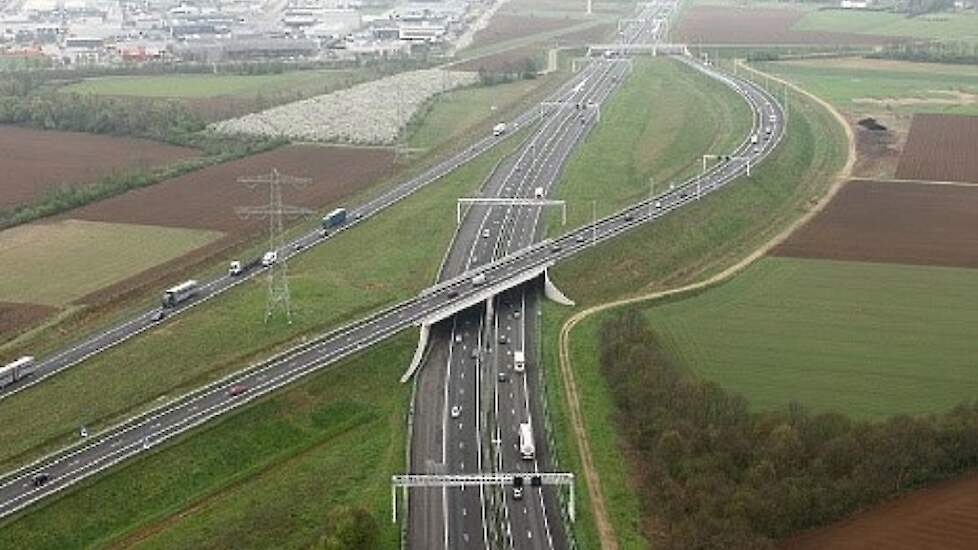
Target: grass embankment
x=386 y=259
x=688 y=246
x=656 y=126
x=272 y=475
x=880 y=87
x=214 y=85
x=48 y=256
x=865 y=339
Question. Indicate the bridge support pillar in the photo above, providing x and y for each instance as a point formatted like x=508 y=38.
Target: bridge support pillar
x=418 y=353
x=551 y=291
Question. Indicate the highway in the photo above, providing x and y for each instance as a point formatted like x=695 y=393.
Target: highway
x=130 y=327
x=119 y=443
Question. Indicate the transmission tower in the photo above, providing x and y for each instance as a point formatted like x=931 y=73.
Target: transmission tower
x=278 y=280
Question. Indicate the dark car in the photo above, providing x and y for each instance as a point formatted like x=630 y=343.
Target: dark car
x=40 y=479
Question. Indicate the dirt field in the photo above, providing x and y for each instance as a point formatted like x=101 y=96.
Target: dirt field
x=15 y=316
x=943 y=517
x=941 y=147
x=893 y=222
x=731 y=25
x=517 y=57
x=35 y=161
x=503 y=27
x=206 y=199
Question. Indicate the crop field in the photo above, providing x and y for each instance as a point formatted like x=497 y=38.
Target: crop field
x=36 y=161
x=385 y=259
x=877 y=87
x=641 y=138
x=211 y=85
x=897 y=222
x=942 y=148
x=759 y=26
x=504 y=27
x=867 y=339
x=272 y=475
x=941 y=517
x=55 y=263
x=937 y=26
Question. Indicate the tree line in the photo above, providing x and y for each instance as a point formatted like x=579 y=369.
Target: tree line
x=715 y=475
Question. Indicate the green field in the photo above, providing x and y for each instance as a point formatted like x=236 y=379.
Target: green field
x=868 y=340
x=387 y=258
x=656 y=126
x=55 y=263
x=871 y=86
x=270 y=476
x=214 y=85
x=687 y=246
x=936 y=26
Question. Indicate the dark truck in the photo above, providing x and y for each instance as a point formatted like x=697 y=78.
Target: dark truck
x=333 y=219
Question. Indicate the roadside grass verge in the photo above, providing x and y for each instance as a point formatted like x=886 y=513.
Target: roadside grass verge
x=385 y=259
x=270 y=475
x=656 y=126
x=688 y=246
x=868 y=340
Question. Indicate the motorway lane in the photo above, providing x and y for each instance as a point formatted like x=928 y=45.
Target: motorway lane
x=130 y=327
x=116 y=444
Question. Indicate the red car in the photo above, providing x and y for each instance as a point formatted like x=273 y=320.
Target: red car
x=237 y=389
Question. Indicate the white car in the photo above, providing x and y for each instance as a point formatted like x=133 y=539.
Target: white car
x=458 y=337
x=456 y=411
x=485 y=233
x=519 y=367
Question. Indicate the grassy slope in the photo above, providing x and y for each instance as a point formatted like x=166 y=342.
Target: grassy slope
x=688 y=246
x=842 y=81
x=868 y=340
x=938 y=26
x=267 y=476
x=208 y=85
x=45 y=253
x=387 y=258
x=658 y=123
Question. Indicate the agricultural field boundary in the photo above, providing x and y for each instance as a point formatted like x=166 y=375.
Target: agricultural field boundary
x=919 y=182
x=599 y=508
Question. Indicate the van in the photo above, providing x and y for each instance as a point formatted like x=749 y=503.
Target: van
x=479 y=279
x=538 y=193
x=269 y=258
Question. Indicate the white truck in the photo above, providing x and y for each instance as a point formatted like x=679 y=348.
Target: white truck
x=527 y=450
x=235 y=268
x=519 y=361
x=499 y=129
x=12 y=372
x=538 y=193
x=269 y=258
x=180 y=293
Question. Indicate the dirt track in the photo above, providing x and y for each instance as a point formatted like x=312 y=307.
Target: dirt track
x=731 y=25
x=893 y=222
x=941 y=147
x=943 y=517
x=36 y=161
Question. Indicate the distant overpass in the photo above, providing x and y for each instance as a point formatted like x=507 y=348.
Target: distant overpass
x=653 y=49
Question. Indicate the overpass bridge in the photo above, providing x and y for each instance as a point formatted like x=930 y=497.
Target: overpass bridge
x=652 y=49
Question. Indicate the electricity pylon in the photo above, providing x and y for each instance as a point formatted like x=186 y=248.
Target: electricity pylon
x=278 y=275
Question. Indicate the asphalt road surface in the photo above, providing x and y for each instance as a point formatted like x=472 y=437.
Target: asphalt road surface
x=103 y=450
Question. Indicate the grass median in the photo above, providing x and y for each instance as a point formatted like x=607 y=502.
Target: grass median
x=685 y=247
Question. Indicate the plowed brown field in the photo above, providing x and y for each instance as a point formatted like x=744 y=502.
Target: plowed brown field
x=943 y=517
x=906 y=223
x=16 y=317
x=941 y=147
x=504 y=26
x=731 y=25
x=206 y=198
x=35 y=161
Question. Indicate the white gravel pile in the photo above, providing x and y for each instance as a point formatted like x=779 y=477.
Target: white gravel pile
x=367 y=113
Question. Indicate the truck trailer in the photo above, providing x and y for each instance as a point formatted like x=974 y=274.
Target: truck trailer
x=180 y=293
x=335 y=218
x=12 y=372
